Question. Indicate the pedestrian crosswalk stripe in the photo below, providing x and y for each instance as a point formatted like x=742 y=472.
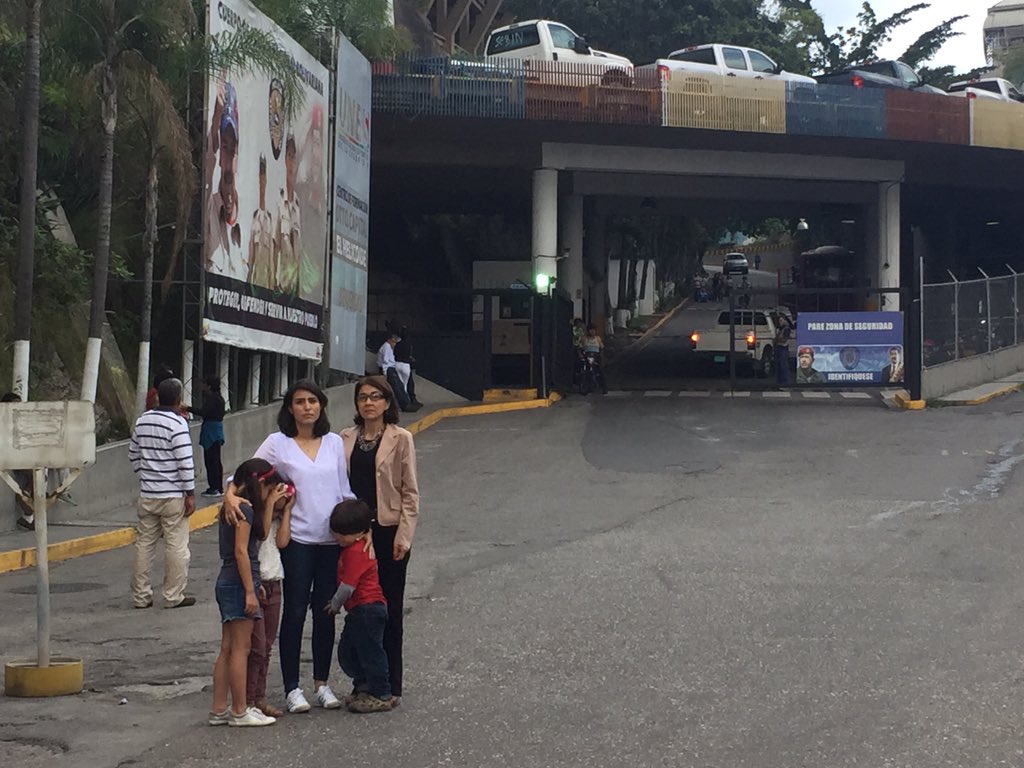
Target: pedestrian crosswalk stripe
x=657 y=393
x=817 y=395
x=694 y=393
x=856 y=395
x=777 y=394
x=735 y=394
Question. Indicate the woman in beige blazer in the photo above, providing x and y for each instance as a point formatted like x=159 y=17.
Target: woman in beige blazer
x=381 y=460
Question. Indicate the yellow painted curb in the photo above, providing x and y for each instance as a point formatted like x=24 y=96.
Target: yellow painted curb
x=20 y=559
x=509 y=395
x=984 y=398
x=903 y=401
x=65 y=676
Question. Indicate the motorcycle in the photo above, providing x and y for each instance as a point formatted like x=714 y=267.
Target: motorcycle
x=588 y=372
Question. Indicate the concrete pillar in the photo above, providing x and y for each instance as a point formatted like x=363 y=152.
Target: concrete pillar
x=252 y=392
x=888 y=249
x=595 y=259
x=223 y=373
x=545 y=222
x=570 y=268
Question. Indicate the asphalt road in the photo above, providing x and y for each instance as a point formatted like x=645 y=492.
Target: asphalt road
x=625 y=582
x=667 y=362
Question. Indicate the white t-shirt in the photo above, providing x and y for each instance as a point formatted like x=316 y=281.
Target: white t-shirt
x=319 y=485
x=271 y=567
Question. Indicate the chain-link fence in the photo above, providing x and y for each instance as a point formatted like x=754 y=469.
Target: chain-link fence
x=971 y=317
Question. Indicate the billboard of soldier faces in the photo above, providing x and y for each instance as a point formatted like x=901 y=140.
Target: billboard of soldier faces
x=266 y=172
x=351 y=211
x=850 y=348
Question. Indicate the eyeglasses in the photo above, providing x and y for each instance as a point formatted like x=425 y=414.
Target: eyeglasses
x=372 y=397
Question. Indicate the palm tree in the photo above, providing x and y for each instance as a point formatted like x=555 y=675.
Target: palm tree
x=27 y=214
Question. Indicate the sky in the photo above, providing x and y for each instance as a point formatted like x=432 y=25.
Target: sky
x=965 y=52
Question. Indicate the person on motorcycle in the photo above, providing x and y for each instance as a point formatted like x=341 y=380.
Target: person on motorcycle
x=593 y=345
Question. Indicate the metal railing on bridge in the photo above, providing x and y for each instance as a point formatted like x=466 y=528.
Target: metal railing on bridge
x=966 y=318
x=581 y=93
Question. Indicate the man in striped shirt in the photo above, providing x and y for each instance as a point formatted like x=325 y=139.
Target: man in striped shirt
x=161 y=455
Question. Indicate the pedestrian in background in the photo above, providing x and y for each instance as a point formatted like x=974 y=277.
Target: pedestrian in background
x=381 y=459
x=163 y=373
x=404 y=362
x=783 y=337
x=264 y=628
x=259 y=487
x=386 y=364
x=305 y=450
x=160 y=451
x=211 y=435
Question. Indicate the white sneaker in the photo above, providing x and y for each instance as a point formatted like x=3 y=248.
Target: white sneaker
x=219 y=718
x=296 y=701
x=325 y=698
x=252 y=717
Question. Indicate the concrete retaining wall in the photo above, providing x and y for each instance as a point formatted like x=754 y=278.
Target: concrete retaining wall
x=963 y=374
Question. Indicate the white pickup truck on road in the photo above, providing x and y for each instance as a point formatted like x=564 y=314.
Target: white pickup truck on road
x=727 y=60
x=993 y=88
x=543 y=40
x=754 y=339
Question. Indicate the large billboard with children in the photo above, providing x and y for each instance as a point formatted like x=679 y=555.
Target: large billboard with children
x=265 y=216
x=351 y=210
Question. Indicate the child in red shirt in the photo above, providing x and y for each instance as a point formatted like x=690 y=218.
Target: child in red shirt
x=361 y=647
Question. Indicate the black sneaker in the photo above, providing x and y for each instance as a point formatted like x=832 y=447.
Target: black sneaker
x=28 y=525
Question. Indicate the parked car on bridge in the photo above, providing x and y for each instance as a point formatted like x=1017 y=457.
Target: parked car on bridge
x=726 y=60
x=879 y=74
x=544 y=40
x=992 y=88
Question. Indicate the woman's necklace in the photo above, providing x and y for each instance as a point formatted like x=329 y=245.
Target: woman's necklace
x=367 y=444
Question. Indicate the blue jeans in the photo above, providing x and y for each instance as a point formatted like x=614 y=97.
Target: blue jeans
x=361 y=649
x=782 y=365
x=310 y=575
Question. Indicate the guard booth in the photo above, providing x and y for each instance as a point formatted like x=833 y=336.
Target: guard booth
x=472 y=341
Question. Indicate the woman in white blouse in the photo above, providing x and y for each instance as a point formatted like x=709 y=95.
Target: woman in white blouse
x=306 y=451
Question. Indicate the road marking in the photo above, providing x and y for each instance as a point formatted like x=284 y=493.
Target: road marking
x=817 y=395
x=735 y=394
x=689 y=393
x=856 y=395
x=784 y=395
x=657 y=393
x=619 y=393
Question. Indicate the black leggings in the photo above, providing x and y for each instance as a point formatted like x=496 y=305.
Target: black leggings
x=392 y=582
x=214 y=467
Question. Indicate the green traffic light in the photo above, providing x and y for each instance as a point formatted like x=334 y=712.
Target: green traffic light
x=543 y=281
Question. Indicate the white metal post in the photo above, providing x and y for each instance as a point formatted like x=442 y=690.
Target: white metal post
x=42 y=568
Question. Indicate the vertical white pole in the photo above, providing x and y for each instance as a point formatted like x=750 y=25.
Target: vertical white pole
x=223 y=371
x=91 y=374
x=42 y=568
x=252 y=399
x=570 y=269
x=188 y=352
x=142 y=379
x=21 y=361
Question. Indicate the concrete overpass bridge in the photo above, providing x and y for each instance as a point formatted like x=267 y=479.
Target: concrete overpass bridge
x=921 y=176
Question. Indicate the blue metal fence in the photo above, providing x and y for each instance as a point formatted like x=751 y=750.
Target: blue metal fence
x=835 y=110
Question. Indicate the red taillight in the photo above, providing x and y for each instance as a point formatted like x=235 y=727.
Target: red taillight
x=694 y=338
x=972 y=95
x=858 y=81
x=751 y=341
x=664 y=73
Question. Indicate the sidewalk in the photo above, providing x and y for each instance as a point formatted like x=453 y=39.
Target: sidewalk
x=76 y=531
x=984 y=392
